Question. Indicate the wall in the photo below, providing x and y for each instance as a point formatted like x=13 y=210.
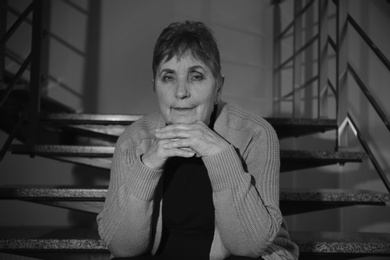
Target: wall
x=100 y=62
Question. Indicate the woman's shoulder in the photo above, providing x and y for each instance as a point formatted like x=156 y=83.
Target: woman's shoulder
x=239 y=118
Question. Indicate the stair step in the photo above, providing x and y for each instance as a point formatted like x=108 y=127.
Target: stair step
x=290 y=159
x=338 y=244
x=298 y=159
x=98 y=119
x=291 y=201
x=53 y=243
x=64 y=150
x=87 y=241
x=296 y=201
x=114 y=124
x=294 y=127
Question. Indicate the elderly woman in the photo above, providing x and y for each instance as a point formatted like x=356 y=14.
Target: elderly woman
x=200 y=178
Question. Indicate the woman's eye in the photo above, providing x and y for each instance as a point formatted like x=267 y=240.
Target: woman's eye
x=197 y=77
x=167 y=78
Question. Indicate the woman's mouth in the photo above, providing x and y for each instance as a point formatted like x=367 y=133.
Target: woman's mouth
x=182 y=109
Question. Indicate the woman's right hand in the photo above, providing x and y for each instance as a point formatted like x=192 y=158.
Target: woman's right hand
x=156 y=156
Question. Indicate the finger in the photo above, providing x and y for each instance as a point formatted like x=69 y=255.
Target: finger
x=178 y=143
x=179 y=152
x=173 y=127
x=175 y=133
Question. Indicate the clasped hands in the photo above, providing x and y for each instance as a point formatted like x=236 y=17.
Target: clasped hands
x=183 y=140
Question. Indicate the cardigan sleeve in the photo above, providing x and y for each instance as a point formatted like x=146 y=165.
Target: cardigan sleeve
x=246 y=195
x=125 y=222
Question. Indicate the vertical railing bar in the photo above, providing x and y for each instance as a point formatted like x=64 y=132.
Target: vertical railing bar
x=323 y=59
x=341 y=72
x=276 y=61
x=308 y=65
x=35 y=75
x=3 y=31
x=297 y=67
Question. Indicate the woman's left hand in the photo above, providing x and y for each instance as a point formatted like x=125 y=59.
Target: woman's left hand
x=197 y=137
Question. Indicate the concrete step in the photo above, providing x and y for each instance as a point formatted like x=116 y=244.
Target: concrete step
x=341 y=245
x=53 y=243
x=291 y=201
x=60 y=243
x=114 y=124
x=100 y=156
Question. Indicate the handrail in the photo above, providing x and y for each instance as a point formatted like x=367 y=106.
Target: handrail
x=369 y=96
x=369 y=42
x=17 y=23
x=367 y=149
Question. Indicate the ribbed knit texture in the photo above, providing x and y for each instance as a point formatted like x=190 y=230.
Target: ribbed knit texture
x=245 y=182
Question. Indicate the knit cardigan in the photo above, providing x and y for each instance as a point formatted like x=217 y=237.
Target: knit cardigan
x=244 y=179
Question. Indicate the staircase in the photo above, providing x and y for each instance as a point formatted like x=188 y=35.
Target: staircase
x=88 y=140
x=101 y=132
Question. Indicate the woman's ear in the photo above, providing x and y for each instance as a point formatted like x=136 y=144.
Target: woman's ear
x=220 y=85
x=219 y=89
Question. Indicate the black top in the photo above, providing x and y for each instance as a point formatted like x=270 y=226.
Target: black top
x=187 y=210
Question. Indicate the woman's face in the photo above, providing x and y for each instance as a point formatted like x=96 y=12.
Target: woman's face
x=186 y=90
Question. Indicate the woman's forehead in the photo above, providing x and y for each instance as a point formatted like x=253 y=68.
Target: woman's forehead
x=186 y=60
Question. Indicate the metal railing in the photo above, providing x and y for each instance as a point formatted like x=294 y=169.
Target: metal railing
x=33 y=60
x=344 y=21
x=321 y=38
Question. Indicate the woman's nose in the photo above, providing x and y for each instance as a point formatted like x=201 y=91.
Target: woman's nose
x=182 y=90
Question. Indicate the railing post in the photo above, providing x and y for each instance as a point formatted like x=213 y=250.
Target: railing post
x=323 y=59
x=297 y=67
x=342 y=71
x=38 y=49
x=276 y=60
x=3 y=31
x=308 y=90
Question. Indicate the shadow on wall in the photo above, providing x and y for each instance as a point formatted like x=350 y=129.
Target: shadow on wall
x=84 y=176
x=92 y=57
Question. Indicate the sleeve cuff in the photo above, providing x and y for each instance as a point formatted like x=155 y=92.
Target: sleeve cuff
x=225 y=169
x=143 y=181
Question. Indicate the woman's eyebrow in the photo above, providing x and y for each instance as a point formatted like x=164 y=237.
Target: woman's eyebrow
x=166 y=70
x=195 y=67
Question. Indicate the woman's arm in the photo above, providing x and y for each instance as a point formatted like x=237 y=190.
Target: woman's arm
x=246 y=194
x=126 y=220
